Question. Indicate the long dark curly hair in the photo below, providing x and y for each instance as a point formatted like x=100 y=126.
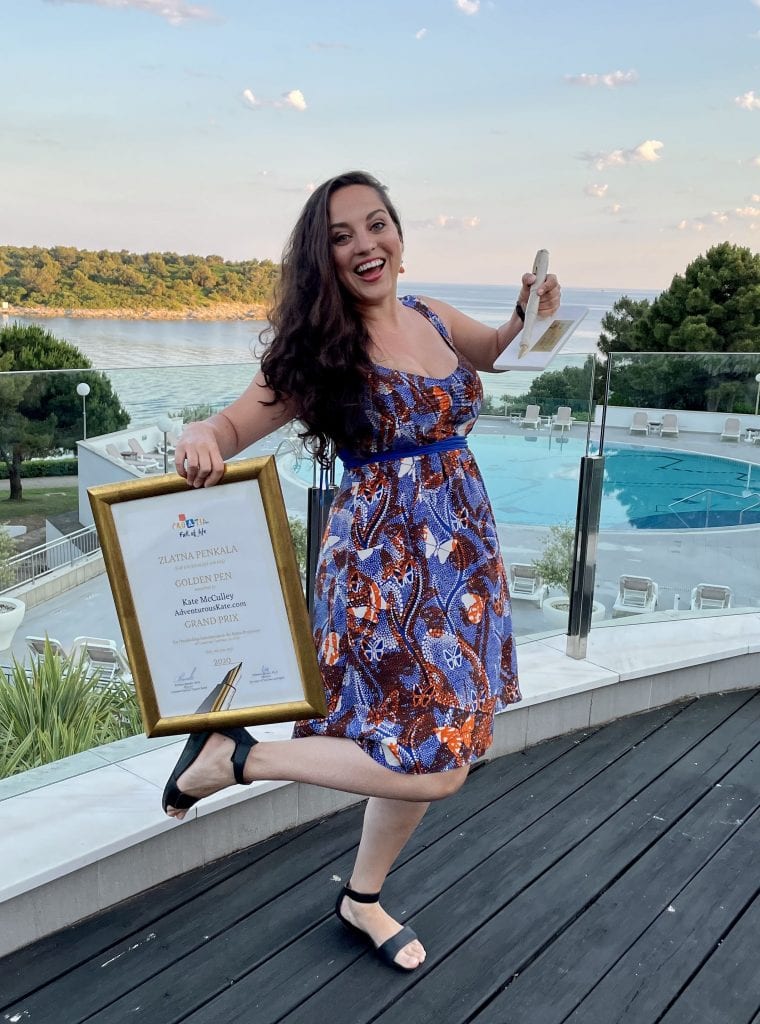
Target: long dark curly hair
x=316 y=347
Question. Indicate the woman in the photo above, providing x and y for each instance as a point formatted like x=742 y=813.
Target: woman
x=411 y=619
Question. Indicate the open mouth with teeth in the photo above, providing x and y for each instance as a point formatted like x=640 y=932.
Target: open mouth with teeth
x=370 y=270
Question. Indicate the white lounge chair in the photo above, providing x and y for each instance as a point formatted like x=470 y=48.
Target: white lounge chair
x=669 y=425
x=532 y=417
x=103 y=656
x=564 y=418
x=732 y=429
x=138 y=452
x=36 y=645
x=526 y=584
x=711 y=595
x=636 y=595
x=639 y=423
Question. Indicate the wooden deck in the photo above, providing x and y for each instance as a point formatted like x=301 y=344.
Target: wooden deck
x=606 y=876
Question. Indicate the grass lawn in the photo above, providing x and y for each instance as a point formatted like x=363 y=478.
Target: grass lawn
x=50 y=501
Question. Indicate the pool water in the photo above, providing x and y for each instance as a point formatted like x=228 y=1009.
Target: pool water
x=533 y=480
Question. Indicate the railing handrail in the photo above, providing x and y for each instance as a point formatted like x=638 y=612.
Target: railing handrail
x=28 y=566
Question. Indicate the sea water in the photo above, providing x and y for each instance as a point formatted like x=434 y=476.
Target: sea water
x=161 y=366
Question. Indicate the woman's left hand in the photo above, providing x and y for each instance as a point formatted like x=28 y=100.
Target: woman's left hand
x=549 y=294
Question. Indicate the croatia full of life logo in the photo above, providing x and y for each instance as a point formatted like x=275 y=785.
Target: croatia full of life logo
x=190 y=526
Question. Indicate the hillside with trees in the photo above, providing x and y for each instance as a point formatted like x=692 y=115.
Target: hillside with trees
x=65 y=278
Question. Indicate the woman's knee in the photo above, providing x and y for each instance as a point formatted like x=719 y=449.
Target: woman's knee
x=447 y=783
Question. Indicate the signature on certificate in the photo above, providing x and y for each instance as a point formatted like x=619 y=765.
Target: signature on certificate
x=187 y=680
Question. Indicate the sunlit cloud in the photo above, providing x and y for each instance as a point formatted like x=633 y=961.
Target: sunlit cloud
x=647 y=152
x=421 y=34
x=748 y=101
x=597 y=191
x=446 y=222
x=176 y=12
x=615 y=209
x=755 y=161
x=611 y=80
x=294 y=99
x=468 y=6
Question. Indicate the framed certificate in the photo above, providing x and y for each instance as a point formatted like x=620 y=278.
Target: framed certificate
x=209 y=597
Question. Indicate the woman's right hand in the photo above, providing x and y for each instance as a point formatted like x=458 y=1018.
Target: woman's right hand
x=197 y=457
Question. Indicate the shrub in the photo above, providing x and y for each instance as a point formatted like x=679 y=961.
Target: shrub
x=43 y=467
x=59 y=707
x=556 y=561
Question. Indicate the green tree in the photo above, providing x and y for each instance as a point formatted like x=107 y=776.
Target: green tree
x=42 y=412
x=713 y=307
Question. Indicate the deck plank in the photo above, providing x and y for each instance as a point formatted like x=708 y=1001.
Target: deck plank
x=538 y=889
x=726 y=990
x=646 y=932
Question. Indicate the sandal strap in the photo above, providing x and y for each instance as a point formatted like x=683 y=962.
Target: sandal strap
x=360 y=897
x=243 y=744
x=390 y=949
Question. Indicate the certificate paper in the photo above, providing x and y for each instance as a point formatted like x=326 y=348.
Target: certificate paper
x=209 y=600
x=547 y=339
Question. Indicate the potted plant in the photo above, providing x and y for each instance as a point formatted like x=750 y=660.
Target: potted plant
x=556 y=568
x=11 y=610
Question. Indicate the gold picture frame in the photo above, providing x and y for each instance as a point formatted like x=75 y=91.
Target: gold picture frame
x=209 y=597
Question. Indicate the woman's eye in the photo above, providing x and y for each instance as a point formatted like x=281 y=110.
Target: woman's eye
x=378 y=225
x=340 y=239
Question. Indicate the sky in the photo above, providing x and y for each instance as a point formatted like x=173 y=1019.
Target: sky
x=622 y=135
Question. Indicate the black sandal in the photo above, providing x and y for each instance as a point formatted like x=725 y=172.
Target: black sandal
x=173 y=796
x=392 y=946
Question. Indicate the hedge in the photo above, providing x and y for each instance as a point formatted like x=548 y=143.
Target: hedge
x=43 y=467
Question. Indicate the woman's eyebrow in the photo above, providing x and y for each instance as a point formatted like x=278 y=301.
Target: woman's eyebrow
x=343 y=224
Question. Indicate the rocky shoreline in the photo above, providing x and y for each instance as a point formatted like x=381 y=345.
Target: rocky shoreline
x=219 y=311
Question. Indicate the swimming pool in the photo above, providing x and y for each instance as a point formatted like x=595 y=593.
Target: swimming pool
x=533 y=480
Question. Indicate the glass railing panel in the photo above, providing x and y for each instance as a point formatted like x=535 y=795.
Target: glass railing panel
x=680 y=518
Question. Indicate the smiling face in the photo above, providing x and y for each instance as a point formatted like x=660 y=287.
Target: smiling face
x=366 y=244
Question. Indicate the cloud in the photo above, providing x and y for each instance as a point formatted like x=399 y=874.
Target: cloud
x=611 y=80
x=176 y=12
x=755 y=161
x=615 y=209
x=748 y=101
x=294 y=99
x=443 y=220
x=468 y=6
x=421 y=34
x=744 y=214
x=647 y=152
x=597 y=191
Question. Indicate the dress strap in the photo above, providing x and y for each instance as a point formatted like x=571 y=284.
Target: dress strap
x=415 y=302
x=446 y=444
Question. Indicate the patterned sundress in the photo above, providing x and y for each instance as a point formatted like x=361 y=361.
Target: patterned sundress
x=412 y=618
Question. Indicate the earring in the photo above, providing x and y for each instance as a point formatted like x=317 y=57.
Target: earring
x=402 y=269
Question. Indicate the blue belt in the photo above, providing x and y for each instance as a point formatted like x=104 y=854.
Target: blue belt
x=447 y=444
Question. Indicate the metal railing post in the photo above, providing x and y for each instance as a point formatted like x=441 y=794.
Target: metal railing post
x=584 y=555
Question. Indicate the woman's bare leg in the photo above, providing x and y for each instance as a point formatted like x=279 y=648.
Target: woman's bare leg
x=320 y=760
x=388 y=825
